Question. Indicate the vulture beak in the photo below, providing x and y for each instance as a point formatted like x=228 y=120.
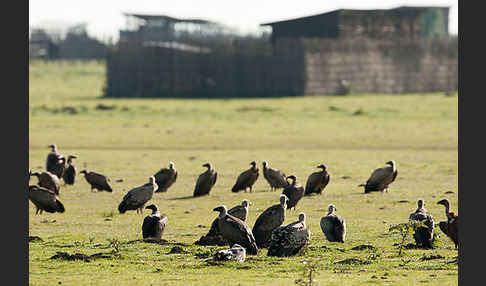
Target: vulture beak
x=217 y=209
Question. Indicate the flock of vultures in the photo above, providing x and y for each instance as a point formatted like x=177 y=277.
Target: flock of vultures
x=230 y=227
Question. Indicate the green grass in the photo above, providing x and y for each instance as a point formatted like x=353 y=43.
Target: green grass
x=352 y=135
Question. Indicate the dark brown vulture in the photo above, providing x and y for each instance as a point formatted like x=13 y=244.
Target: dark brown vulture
x=48 y=181
x=70 y=171
x=236 y=231
x=44 y=200
x=381 y=178
x=450 y=226
x=424 y=236
x=288 y=240
x=333 y=226
x=97 y=181
x=317 y=181
x=206 y=181
x=246 y=179
x=269 y=220
x=166 y=177
x=136 y=198
x=294 y=191
x=53 y=164
x=275 y=178
x=153 y=225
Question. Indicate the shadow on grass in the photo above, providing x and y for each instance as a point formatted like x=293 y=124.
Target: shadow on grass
x=182 y=198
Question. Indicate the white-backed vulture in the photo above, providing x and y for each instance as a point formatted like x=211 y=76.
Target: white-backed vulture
x=246 y=179
x=333 y=226
x=44 y=200
x=288 y=240
x=136 y=198
x=236 y=252
x=165 y=177
x=294 y=191
x=48 y=181
x=97 y=181
x=381 y=178
x=70 y=171
x=317 y=181
x=53 y=160
x=153 y=225
x=269 y=220
x=450 y=226
x=205 y=181
x=424 y=236
x=236 y=231
x=275 y=178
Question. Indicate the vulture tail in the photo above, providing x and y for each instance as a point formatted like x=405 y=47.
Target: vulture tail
x=235 y=188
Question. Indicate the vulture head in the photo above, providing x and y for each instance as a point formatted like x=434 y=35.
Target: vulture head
x=420 y=204
x=302 y=217
x=53 y=147
x=264 y=163
x=253 y=164
x=171 y=165
x=84 y=172
x=152 y=207
x=222 y=210
x=293 y=178
x=246 y=203
x=332 y=208
x=37 y=174
x=208 y=165
x=444 y=202
x=322 y=166
x=70 y=157
x=283 y=201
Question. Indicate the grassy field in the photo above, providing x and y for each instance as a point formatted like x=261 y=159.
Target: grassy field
x=131 y=139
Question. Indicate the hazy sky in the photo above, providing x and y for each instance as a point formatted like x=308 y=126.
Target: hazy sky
x=104 y=18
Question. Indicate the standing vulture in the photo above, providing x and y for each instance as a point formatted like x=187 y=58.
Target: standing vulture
x=288 y=240
x=47 y=180
x=317 y=181
x=294 y=192
x=449 y=227
x=424 y=236
x=154 y=224
x=70 y=171
x=53 y=160
x=44 y=200
x=269 y=220
x=381 y=178
x=234 y=230
x=246 y=179
x=275 y=178
x=206 y=181
x=97 y=181
x=137 y=197
x=166 y=177
x=333 y=226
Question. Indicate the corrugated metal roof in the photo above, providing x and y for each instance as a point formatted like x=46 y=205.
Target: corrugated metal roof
x=168 y=18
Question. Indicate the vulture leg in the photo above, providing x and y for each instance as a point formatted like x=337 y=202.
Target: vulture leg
x=250 y=189
x=41 y=211
x=36 y=210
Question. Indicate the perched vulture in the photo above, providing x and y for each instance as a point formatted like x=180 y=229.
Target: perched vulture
x=47 y=180
x=70 y=171
x=137 y=197
x=317 y=181
x=288 y=240
x=294 y=192
x=44 y=200
x=166 y=177
x=236 y=252
x=53 y=163
x=424 y=236
x=97 y=181
x=269 y=220
x=381 y=178
x=275 y=178
x=206 y=181
x=333 y=226
x=154 y=224
x=234 y=230
x=449 y=227
x=246 y=179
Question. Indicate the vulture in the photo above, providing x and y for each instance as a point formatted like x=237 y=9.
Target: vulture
x=288 y=240
x=137 y=197
x=333 y=226
x=269 y=220
x=317 y=181
x=275 y=178
x=294 y=192
x=97 y=181
x=166 y=177
x=246 y=179
x=236 y=252
x=44 y=200
x=234 y=230
x=424 y=236
x=381 y=178
x=53 y=164
x=47 y=180
x=205 y=181
x=154 y=224
x=449 y=227
x=70 y=171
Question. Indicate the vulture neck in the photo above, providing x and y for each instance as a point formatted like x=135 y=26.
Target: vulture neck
x=223 y=213
x=447 y=209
